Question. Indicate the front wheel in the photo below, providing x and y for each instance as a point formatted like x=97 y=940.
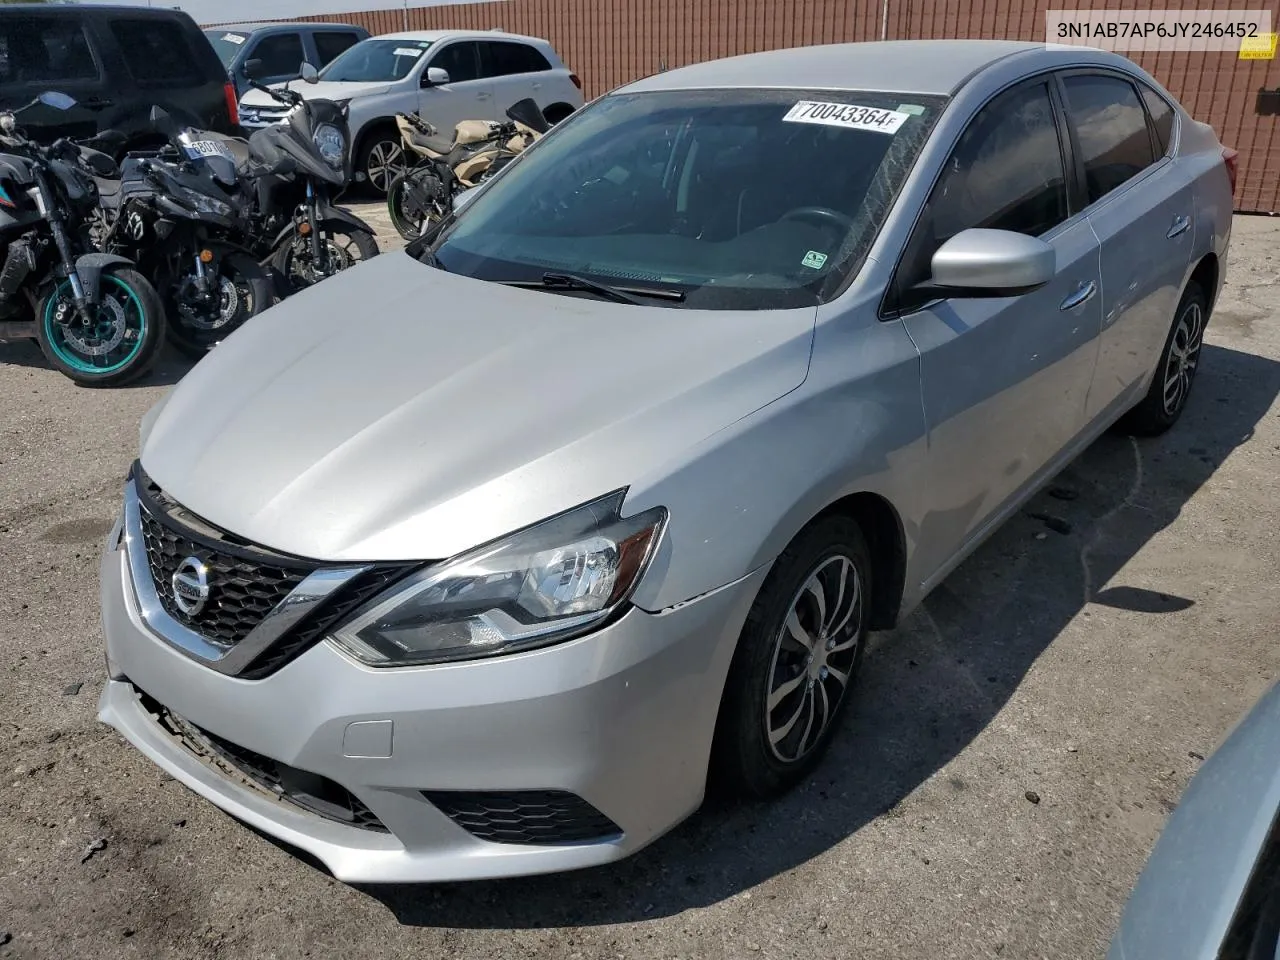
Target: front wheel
x=381 y=160
x=796 y=661
x=197 y=321
x=117 y=343
x=341 y=246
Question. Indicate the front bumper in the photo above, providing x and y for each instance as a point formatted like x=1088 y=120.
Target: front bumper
x=622 y=718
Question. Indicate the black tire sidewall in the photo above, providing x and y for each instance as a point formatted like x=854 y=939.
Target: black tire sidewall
x=742 y=762
x=152 y=338
x=1149 y=417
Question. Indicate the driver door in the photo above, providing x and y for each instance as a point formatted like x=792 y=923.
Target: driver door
x=467 y=96
x=1004 y=380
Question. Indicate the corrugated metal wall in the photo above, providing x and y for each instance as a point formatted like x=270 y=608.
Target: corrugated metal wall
x=609 y=42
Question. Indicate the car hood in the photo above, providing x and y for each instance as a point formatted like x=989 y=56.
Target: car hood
x=316 y=91
x=398 y=412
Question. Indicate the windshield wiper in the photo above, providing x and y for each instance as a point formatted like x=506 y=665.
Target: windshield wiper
x=572 y=281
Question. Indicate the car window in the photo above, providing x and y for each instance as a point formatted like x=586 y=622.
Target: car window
x=740 y=199
x=227 y=44
x=44 y=50
x=330 y=43
x=461 y=60
x=1006 y=173
x=281 y=55
x=376 y=61
x=505 y=58
x=1161 y=117
x=1111 y=128
x=156 y=52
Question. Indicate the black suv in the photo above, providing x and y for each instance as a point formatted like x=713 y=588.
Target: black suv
x=117 y=62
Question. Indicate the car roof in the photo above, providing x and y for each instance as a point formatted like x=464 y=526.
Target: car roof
x=436 y=35
x=905 y=66
x=281 y=25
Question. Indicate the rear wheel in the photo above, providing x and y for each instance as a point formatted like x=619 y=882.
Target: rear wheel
x=197 y=322
x=557 y=112
x=117 y=343
x=796 y=660
x=409 y=214
x=1176 y=370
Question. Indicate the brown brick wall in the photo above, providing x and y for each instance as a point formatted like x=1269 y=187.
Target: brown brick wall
x=610 y=42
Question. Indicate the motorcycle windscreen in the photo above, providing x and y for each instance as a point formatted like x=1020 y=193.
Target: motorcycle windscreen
x=528 y=112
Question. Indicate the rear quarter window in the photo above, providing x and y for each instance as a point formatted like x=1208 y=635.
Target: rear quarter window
x=1161 y=117
x=507 y=58
x=157 y=53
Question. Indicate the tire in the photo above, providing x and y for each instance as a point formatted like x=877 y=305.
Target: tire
x=246 y=290
x=130 y=313
x=757 y=752
x=410 y=224
x=292 y=257
x=1159 y=409
x=381 y=159
x=557 y=112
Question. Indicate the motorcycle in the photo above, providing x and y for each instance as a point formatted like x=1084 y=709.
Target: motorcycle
x=96 y=318
x=292 y=171
x=177 y=214
x=424 y=194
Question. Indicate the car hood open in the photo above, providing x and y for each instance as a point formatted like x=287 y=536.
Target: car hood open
x=398 y=412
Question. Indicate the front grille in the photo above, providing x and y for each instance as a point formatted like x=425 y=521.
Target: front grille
x=310 y=791
x=246 y=583
x=526 y=816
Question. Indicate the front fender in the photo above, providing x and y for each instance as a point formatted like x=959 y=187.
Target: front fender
x=327 y=211
x=89 y=267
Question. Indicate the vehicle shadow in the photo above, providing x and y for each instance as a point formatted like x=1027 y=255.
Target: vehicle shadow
x=928 y=688
x=169 y=368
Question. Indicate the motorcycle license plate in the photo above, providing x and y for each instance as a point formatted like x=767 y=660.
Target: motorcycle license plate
x=208 y=148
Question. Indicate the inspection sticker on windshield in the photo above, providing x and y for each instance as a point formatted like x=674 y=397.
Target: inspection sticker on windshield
x=846 y=115
x=814 y=260
x=233 y=38
x=407 y=52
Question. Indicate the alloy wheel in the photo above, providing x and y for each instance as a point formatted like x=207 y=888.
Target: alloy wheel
x=1184 y=355
x=385 y=163
x=813 y=656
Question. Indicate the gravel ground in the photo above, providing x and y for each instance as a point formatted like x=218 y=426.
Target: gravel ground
x=1014 y=752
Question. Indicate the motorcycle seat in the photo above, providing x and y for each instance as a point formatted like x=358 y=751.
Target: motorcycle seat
x=435 y=144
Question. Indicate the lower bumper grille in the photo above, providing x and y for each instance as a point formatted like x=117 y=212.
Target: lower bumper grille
x=310 y=791
x=526 y=816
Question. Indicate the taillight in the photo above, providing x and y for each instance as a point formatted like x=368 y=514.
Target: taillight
x=576 y=82
x=1232 y=159
x=233 y=102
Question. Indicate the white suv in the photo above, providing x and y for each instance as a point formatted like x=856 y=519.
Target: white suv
x=446 y=76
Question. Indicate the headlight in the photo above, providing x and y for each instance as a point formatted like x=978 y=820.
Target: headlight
x=542 y=585
x=201 y=202
x=331 y=144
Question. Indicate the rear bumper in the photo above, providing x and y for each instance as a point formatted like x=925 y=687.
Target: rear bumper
x=622 y=719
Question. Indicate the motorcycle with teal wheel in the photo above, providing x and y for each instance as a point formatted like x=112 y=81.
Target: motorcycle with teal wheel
x=96 y=318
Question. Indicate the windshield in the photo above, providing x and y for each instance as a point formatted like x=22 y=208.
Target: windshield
x=226 y=44
x=740 y=199
x=376 y=60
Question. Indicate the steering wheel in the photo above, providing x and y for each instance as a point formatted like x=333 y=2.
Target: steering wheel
x=823 y=215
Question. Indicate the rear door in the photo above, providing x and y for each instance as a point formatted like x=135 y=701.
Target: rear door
x=516 y=71
x=282 y=55
x=467 y=95
x=53 y=51
x=1140 y=207
x=1003 y=379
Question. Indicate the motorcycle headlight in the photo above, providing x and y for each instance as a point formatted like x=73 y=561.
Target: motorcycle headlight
x=202 y=203
x=331 y=144
x=545 y=584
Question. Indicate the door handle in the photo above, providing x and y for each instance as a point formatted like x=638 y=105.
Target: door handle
x=1084 y=293
x=1180 y=225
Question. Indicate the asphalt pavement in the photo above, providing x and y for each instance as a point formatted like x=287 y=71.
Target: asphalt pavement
x=1014 y=750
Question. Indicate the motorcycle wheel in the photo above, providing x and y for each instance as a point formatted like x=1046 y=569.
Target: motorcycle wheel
x=120 y=343
x=244 y=290
x=408 y=218
x=347 y=246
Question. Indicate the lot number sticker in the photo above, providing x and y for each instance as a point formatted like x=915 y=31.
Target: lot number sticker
x=846 y=115
x=406 y=52
x=233 y=38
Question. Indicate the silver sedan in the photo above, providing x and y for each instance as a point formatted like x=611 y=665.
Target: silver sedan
x=483 y=558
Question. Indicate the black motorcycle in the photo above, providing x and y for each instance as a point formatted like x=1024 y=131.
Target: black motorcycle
x=294 y=169
x=96 y=318
x=178 y=214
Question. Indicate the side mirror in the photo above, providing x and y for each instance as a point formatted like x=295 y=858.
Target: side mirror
x=435 y=77
x=991 y=263
x=250 y=69
x=308 y=72
x=59 y=101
